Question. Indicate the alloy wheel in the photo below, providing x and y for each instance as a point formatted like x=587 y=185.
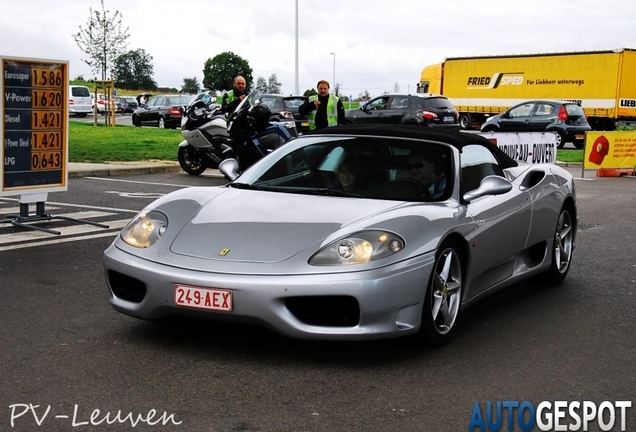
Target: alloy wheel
x=563 y=242
x=446 y=291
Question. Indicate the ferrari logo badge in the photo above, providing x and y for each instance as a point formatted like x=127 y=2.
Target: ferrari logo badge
x=224 y=252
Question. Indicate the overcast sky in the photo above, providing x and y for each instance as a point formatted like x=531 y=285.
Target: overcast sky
x=378 y=44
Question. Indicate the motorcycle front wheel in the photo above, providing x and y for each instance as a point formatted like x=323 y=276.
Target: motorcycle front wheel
x=191 y=161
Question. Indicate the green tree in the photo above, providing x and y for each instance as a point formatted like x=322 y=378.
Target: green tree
x=261 y=85
x=102 y=40
x=273 y=86
x=337 y=89
x=190 y=85
x=134 y=70
x=219 y=72
x=310 y=92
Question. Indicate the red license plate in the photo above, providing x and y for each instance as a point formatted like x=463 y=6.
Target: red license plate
x=203 y=298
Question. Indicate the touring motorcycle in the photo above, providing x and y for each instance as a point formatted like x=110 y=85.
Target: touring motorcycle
x=204 y=128
x=246 y=136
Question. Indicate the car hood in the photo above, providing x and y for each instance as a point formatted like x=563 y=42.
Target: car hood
x=266 y=227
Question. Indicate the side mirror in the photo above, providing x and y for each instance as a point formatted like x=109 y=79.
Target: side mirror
x=229 y=168
x=491 y=185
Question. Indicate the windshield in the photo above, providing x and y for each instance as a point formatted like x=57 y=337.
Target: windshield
x=362 y=167
x=252 y=99
x=178 y=100
x=294 y=102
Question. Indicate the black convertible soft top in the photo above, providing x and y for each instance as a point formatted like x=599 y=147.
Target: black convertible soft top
x=456 y=139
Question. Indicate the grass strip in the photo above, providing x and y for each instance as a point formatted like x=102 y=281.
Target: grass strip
x=97 y=144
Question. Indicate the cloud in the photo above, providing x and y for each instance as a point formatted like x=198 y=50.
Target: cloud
x=376 y=43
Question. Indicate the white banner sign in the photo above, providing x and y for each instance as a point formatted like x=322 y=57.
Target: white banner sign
x=530 y=147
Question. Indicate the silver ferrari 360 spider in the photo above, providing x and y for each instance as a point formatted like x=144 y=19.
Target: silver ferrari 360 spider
x=349 y=233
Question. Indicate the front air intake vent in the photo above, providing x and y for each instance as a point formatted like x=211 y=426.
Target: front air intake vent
x=126 y=287
x=327 y=311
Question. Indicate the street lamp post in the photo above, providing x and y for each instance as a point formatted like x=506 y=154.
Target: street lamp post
x=296 y=89
x=334 y=72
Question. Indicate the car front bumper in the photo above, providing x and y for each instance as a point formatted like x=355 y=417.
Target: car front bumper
x=389 y=298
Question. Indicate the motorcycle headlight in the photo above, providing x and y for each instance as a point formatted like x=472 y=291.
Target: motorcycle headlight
x=359 y=248
x=145 y=229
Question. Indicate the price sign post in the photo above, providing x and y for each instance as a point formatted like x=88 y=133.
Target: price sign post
x=34 y=130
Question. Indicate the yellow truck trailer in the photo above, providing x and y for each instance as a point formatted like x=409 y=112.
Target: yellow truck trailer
x=602 y=82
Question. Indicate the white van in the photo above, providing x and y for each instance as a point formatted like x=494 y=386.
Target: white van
x=79 y=101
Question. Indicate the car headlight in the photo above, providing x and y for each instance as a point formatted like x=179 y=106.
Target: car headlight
x=359 y=248
x=145 y=229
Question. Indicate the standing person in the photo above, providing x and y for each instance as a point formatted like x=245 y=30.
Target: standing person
x=232 y=98
x=323 y=110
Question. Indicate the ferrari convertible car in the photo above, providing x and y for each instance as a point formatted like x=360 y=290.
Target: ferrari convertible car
x=291 y=246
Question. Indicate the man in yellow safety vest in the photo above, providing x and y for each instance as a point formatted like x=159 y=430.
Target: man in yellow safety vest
x=232 y=99
x=323 y=110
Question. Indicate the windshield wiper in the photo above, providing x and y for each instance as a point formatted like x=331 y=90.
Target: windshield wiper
x=244 y=186
x=328 y=192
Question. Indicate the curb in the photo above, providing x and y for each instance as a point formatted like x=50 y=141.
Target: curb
x=119 y=171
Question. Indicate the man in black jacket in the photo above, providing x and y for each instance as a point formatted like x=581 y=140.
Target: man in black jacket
x=323 y=110
x=233 y=98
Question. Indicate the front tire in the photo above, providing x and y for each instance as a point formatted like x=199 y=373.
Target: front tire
x=562 y=248
x=191 y=161
x=135 y=121
x=443 y=295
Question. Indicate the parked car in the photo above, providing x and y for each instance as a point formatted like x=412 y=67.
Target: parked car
x=128 y=103
x=102 y=104
x=416 y=109
x=142 y=98
x=286 y=245
x=566 y=119
x=79 y=101
x=286 y=108
x=163 y=111
x=208 y=98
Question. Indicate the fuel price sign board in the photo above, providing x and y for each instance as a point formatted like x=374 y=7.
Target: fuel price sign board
x=34 y=126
